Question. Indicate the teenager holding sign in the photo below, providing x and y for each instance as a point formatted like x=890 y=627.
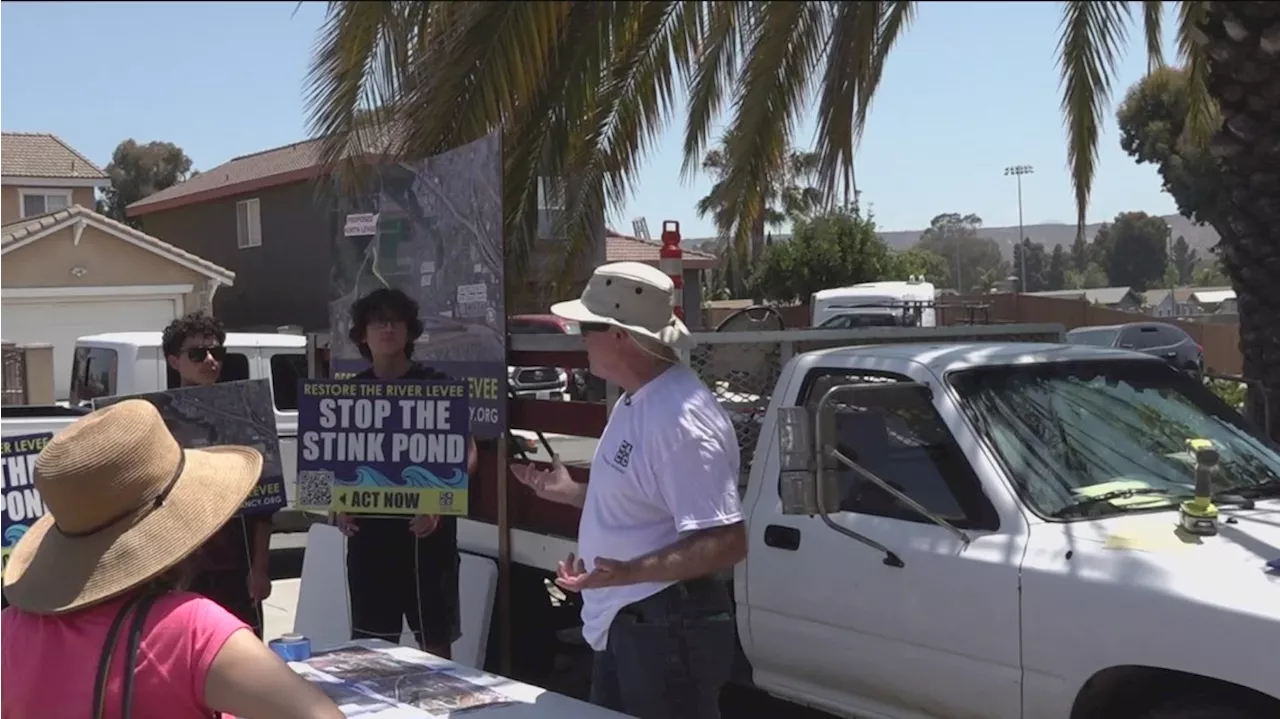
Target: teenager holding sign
x=232 y=567
x=398 y=567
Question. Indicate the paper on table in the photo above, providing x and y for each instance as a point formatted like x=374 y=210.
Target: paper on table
x=378 y=684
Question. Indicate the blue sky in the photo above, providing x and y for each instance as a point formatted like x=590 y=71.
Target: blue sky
x=971 y=89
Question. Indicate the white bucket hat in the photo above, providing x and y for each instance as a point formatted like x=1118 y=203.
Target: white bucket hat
x=634 y=297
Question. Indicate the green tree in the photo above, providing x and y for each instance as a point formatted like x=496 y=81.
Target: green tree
x=1153 y=130
x=1091 y=278
x=1184 y=260
x=1037 y=265
x=1056 y=275
x=969 y=256
x=1081 y=254
x=791 y=197
x=919 y=263
x=832 y=249
x=581 y=89
x=137 y=171
x=1210 y=274
x=1133 y=250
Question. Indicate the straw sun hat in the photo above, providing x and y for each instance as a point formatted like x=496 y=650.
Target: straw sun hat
x=633 y=296
x=126 y=504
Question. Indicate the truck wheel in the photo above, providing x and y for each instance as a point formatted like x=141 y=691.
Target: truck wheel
x=1202 y=709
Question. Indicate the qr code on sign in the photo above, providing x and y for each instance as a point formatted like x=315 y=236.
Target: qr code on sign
x=315 y=488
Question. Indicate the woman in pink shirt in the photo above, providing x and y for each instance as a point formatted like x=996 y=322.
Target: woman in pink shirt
x=98 y=625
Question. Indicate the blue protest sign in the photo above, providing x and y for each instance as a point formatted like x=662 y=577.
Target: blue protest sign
x=22 y=503
x=383 y=447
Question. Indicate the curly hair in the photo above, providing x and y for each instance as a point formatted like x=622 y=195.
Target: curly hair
x=389 y=304
x=195 y=324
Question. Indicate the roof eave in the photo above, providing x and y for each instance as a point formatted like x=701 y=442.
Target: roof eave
x=147 y=206
x=78 y=213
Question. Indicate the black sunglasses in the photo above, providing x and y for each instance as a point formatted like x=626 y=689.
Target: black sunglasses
x=197 y=354
x=589 y=327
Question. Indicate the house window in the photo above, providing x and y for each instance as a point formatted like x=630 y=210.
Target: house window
x=39 y=202
x=550 y=194
x=248 y=224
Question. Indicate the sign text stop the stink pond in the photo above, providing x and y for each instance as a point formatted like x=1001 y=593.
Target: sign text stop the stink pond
x=383 y=447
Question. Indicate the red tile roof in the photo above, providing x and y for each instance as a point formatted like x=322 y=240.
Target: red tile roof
x=621 y=248
x=40 y=154
x=256 y=171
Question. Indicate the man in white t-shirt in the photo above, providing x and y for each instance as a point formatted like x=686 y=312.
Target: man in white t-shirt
x=661 y=516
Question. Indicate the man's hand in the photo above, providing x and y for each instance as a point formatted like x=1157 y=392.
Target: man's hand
x=424 y=524
x=572 y=574
x=553 y=485
x=345 y=524
x=259 y=582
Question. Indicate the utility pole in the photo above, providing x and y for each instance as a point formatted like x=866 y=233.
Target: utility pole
x=1018 y=171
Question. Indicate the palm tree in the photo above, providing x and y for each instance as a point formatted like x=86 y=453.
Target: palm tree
x=579 y=90
x=791 y=196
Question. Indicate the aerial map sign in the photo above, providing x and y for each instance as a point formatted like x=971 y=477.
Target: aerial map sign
x=437 y=235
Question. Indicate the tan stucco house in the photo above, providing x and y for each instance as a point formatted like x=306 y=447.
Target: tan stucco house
x=73 y=272
x=40 y=173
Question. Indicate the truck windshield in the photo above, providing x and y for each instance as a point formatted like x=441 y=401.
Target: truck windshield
x=1070 y=432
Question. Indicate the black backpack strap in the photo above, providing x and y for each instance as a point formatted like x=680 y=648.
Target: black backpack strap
x=104 y=661
x=131 y=658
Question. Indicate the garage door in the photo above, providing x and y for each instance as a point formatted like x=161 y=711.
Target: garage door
x=60 y=322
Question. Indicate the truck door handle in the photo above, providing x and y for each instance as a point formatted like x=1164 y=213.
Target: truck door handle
x=787 y=538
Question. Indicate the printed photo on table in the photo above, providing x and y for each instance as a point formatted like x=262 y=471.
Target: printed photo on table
x=239 y=413
x=383 y=447
x=358 y=664
x=22 y=502
x=436 y=692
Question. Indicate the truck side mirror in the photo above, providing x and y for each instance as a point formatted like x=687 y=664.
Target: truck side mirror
x=798 y=478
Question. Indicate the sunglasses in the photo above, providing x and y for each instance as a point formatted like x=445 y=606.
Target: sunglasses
x=197 y=354
x=589 y=327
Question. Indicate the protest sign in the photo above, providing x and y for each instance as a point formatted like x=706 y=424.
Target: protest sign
x=439 y=240
x=22 y=503
x=226 y=413
x=382 y=447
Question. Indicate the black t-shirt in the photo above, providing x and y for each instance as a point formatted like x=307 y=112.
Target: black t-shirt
x=445 y=538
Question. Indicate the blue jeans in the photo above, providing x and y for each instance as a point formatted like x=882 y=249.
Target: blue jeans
x=668 y=655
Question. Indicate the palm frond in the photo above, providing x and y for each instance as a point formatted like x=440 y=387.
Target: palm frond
x=1093 y=32
x=1202 y=112
x=786 y=40
x=634 y=100
x=714 y=72
x=1153 y=24
x=862 y=35
x=541 y=136
x=351 y=71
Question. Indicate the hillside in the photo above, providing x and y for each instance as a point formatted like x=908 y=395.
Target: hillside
x=1200 y=237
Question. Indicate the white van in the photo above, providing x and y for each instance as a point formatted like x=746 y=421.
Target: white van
x=908 y=303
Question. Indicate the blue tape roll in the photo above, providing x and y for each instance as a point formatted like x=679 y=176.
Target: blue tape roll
x=291 y=647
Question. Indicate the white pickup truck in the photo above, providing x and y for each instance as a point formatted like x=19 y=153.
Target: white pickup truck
x=1027 y=562
x=1042 y=572
x=126 y=363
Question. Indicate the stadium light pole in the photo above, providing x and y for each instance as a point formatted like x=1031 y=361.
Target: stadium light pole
x=1018 y=171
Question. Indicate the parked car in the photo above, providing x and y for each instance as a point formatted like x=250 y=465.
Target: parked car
x=539 y=382
x=1159 y=339
x=128 y=363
